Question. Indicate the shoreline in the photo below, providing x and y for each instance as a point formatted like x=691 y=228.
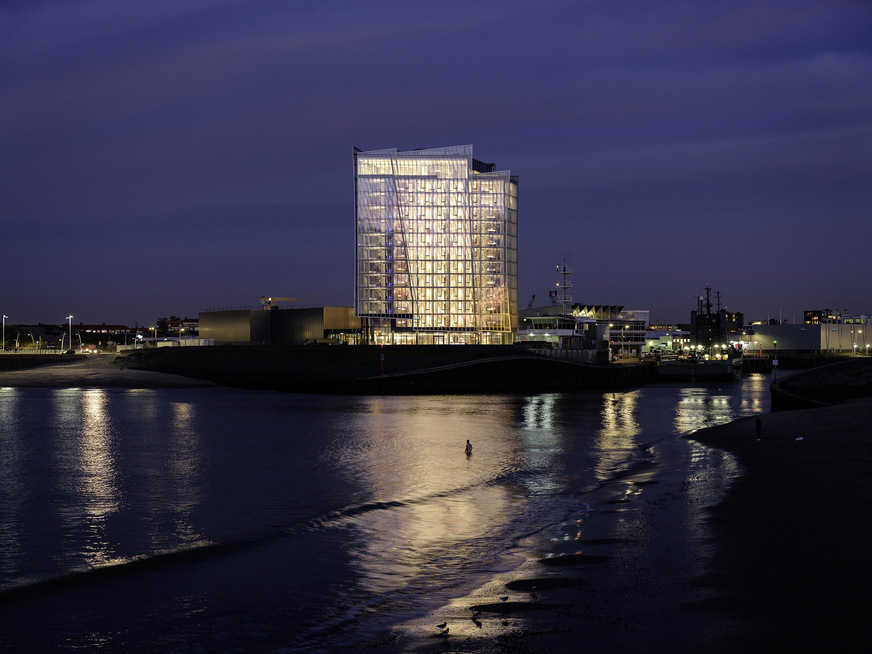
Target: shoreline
x=772 y=525
x=781 y=545
x=792 y=555
x=781 y=549
x=612 y=575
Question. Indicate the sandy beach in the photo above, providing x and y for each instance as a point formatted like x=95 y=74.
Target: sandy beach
x=95 y=371
x=792 y=557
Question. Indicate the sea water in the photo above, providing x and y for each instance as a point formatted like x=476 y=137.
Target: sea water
x=226 y=520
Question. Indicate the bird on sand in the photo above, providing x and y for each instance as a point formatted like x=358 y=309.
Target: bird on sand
x=442 y=626
x=504 y=599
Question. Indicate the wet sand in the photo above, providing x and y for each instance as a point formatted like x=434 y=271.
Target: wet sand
x=793 y=540
x=618 y=575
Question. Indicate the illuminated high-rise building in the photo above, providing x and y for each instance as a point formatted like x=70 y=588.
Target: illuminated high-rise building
x=436 y=247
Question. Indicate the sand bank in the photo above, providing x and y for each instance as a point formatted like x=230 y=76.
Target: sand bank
x=95 y=371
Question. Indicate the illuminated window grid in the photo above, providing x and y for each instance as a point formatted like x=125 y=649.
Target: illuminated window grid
x=436 y=245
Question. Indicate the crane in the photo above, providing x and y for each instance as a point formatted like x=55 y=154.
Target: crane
x=269 y=302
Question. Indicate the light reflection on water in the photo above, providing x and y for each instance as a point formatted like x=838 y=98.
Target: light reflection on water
x=12 y=482
x=618 y=435
x=540 y=441
x=411 y=455
x=96 y=475
x=358 y=497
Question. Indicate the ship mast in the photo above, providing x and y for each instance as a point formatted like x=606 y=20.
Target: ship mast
x=565 y=298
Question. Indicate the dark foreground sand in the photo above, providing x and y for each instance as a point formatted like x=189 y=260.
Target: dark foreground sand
x=793 y=557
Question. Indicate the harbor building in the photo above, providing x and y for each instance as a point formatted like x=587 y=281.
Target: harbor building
x=807 y=338
x=622 y=332
x=285 y=326
x=436 y=248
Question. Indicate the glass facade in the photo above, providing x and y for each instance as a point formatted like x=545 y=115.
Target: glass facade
x=436 y=247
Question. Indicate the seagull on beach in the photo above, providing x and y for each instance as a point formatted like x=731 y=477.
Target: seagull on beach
x=443 y=632
x=504 y=599
x=442 y=626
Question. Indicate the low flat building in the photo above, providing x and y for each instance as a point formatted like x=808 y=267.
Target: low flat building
x=850 y=338
x=285 y=326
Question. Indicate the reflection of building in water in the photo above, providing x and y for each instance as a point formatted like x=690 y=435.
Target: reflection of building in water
x=698 y=408
x=616 y=439
x=425 y=504
x=539 y=410
x=541 y=441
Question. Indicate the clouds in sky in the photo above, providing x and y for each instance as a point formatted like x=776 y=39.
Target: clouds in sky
x=168 y=157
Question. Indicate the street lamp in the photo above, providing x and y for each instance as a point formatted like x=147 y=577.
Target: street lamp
x=70 y=318
x=4 y=331
x=775 y=362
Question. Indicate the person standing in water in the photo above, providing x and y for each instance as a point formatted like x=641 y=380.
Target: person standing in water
x=468 y=447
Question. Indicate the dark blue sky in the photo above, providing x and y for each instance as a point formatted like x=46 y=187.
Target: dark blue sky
x=167 y=157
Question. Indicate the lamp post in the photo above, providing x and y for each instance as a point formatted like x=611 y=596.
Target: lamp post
x=775 y=362
x=70 y=318
x=4 y=331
